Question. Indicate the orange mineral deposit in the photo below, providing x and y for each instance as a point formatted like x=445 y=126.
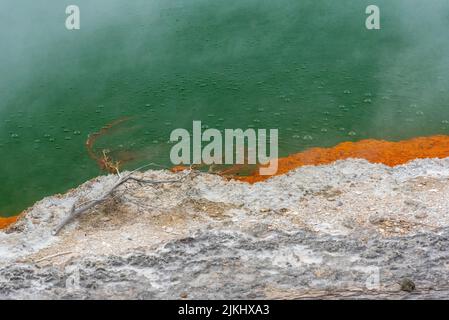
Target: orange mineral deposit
x=375 y=151
x=6 y=222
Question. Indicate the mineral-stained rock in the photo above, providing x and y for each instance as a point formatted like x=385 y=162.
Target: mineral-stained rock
x=208 y=237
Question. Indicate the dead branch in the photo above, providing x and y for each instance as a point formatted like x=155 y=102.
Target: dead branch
x=53 y=256
x=75 y=212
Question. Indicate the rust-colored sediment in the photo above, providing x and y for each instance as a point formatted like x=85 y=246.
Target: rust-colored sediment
x=100 y=159
x=6 y=222
x=375 y=151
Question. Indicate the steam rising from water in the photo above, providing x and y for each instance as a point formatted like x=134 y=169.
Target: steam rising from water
x=309 y=68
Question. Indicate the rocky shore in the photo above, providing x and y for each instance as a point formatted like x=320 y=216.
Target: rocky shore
x=350 y=229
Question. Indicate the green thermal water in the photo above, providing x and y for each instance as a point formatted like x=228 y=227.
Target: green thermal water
x=309 y=68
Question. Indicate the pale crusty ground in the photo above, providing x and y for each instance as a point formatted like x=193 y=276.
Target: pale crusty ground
x=347 y=201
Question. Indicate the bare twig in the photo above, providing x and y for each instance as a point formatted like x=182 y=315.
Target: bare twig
x=74 y=212
x=53 y=256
